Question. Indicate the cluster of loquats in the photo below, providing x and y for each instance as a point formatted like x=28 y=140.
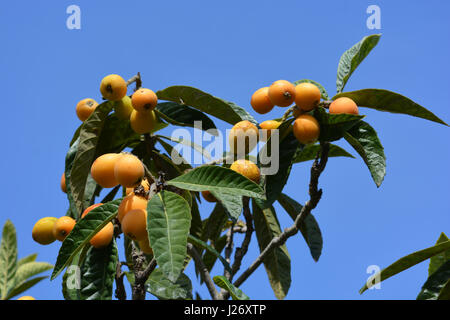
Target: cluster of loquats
x=138 y=108
x=112 y=169
x=108 y=170
x=306 y=97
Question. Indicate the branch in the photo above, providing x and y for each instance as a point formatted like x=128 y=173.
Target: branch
x=203 y=270
x=242 y=251
x=315 y=195
x=229 y=249
x=140 y=276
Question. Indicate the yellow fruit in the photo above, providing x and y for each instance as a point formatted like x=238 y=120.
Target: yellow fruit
x=129 y=170
x=282 y=93
x=26 y=298
x=144 y=99
x=306 y=129
x=131 y=202
x=85 y=108
x=243 y=137
x=307 y=96
x=62 y=227
x=269 y=125
x=208 y=196
x=247 y=169
x=143 y=122
x=113 y=87
x=343 y=105
x=103 y=237
x=43 y=230
x=260 y=101
x=145 y=246
x=134 y=224
x=102 y=170
x=123 y=108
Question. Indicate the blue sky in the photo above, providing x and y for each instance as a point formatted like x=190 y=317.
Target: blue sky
x=230 y=49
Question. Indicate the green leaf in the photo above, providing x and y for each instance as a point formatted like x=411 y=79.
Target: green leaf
x=70 y=156
x=8 y=258
x=215 y=178
x=76 y=135
x=83 y=231
x=163 y=288
x=115 y=136
x=445 y=292
x=363 y=138
x=204 y=245
x=196 y=222
x=71 y=283
x=435 y=283
x=310 y=151
x=89 y=137
x=323 y=92
x=334 y=126
x=30 y=269
x=351 y=59
x=235 y=292
x=289 y=147
x=25 y=286
x=210 y=259
x=214 y=223
x=409 y=261
x=384 y=100
x=309 y=227
x=182 y=115
x=168 y=224
x=29 y=258
x=231 y=202
x=439 y=259
x=188 y=143
x=219 y=108
x=98 y=273
x=173 y=152
x=278 y=262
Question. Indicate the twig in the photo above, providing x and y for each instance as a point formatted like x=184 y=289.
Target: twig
x=287 y=113
x=315 y=195
x=203 y=270
x=120 y=292
x=137 y=79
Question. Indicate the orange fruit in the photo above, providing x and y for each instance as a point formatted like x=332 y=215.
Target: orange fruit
x=42 y=231
x=244 y=135
x=85 y=108
x=143 y=122
x=129 y=170
x=269 y=125
x=88 y=209
x=307 y=96
x=145 y=246
x=102 y=170
x=63 y=183
x=113 y=87
x=134 y=224
x=208 y=196
x=247 y=168
x=282 y=93
x=306 y=129
x=144 y=99
x=131 y=202
x=343 y=105
x=62 y=227
x=260 y=101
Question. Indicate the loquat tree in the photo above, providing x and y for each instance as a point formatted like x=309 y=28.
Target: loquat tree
x=155 y=206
